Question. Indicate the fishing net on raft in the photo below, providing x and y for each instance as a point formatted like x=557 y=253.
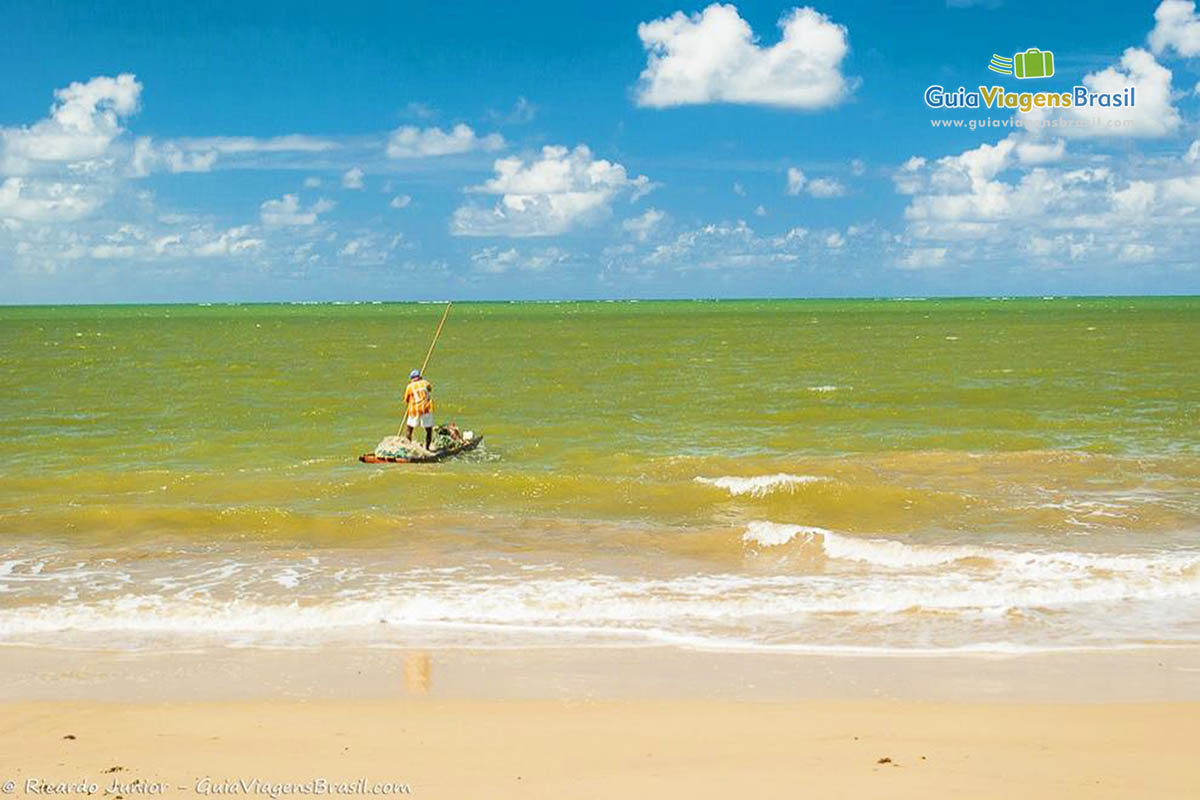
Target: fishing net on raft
x=444 y=437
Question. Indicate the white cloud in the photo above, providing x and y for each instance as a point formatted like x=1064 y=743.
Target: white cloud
x=825 y=187
x=235 y=241
x=366 y=248
x=200 y=154
x=858 y=166
x=963 y=187
x=84 y=121
x=724 y=246
x=74 y=167
x=400 y=201
x=312 y=182
x=83 y=130
x=795 y=181
x=409 y=141
x=191 y=162
x=799 y=183
x=163 y=243
x=149 y=157
x=1152 y=116
x=416 y=110
x=522 y=112
x=642 y=226
x=760 y=210
x=713 y=57
x=983 y=205
x=496 y=260
x=923 y=258
x=547 y=195
x=291 y=143
x=908 y=178
x=47 y=201
x=1135 y=200
x=63 y=167
x=287 y=211
x=794 y=235
x=352 y=178
x=1171 y=200
x=738 y=189
x=1136 y=252
x=1029 y=152
x=130 y=242
x=1176 y=27
x=710 y=246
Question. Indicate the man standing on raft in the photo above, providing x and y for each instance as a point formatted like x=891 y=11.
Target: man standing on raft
x=418 y=397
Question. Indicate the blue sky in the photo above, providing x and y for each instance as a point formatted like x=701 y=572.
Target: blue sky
x=396 y=151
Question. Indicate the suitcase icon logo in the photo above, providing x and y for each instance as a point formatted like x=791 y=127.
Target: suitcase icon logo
x=1033 y=63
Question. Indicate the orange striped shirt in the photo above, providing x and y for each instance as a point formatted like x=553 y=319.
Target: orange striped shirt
x=418 y=397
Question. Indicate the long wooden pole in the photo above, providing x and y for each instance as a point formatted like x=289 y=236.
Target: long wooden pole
x=433 y=344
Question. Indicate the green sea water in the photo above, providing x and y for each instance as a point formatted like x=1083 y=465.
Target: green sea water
x=694 y=453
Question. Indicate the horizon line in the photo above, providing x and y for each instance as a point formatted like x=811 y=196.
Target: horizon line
x=742 y=299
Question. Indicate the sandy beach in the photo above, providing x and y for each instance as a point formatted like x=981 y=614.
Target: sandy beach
x=586 y=749
x=631 y=723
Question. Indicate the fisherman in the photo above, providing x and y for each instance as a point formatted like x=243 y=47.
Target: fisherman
x=419 y=400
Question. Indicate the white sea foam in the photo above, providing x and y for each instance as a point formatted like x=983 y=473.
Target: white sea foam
x=896 y=554
x=769 y=534
x=868 y=594
x=288 y=578
x=759 y=485
x=879 y=552
x=816 y=608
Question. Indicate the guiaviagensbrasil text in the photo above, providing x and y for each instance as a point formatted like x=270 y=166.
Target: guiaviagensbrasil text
x=998 y=97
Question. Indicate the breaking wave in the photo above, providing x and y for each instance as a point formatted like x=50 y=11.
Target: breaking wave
x=894 y=554
x=759 y=485
x=863 y=594
x=783 y=587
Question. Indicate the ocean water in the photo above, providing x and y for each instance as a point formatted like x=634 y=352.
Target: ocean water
x=969 y=475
